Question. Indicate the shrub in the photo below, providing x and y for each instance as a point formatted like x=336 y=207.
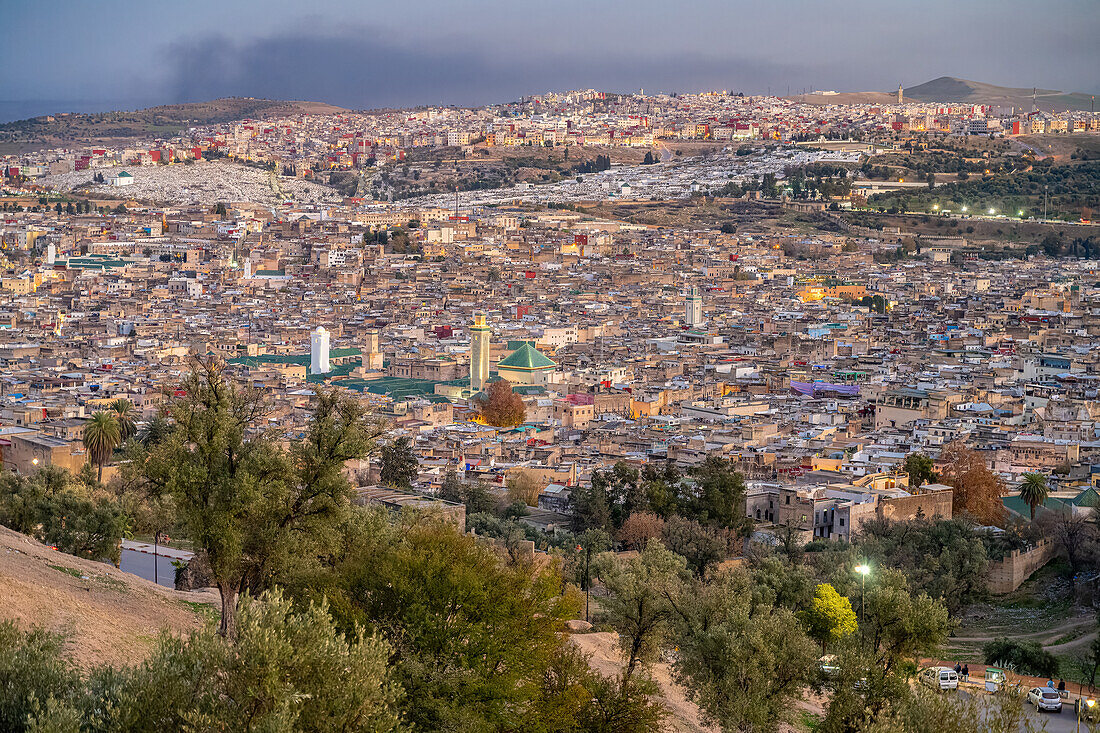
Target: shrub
x=1025 y=657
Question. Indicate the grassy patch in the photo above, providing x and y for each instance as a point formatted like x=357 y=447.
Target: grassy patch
x=809 y=722
x=70 y=571
x=205 y=610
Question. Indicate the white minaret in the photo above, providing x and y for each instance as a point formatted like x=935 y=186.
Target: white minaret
x=480 y=334
x=693 y=310
x=318 y=351
x=51 y=254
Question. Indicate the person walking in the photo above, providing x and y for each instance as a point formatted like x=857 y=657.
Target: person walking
x=958 y=669
x=966 y=673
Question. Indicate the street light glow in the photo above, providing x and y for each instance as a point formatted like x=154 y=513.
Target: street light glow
x=964 y=209
x=992 y=211
x=863 y=569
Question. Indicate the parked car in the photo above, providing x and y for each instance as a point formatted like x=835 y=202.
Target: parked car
x=1045 y=698
x=940 y=678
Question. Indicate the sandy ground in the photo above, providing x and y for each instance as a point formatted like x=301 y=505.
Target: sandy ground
x=605 y=657
x=110 y=616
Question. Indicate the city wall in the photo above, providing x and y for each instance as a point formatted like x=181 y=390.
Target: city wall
x=1009 y=574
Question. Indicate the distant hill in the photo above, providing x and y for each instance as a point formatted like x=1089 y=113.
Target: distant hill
x=73 y=129
x=950 y=89
x=964 y=91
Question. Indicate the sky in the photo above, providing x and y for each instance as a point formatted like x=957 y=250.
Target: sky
x=82 y=55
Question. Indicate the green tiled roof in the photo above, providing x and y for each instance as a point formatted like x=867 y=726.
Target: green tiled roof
x=526 y=358
x=1016 y=505
x=398 y=387
x=1088 y=497
x=255 y=361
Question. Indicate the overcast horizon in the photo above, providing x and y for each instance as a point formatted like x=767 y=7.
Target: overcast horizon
x=368 y=55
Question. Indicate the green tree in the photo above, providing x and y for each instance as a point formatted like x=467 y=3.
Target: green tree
x=702 y=547
x=476 y=637
x=249 y=505
x=123 y=411
x=920 y=469
x=637 y=606
x=830 y=617
x=719 y=495
x=399 y=464
x=744 y=663
x=156 y=431
x=286 y=670
x=101 y=436
x=590 y=508
x=32 y=671
x=1033 y=490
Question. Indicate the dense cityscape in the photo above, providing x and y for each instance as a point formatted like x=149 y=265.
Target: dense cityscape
x=588 y=411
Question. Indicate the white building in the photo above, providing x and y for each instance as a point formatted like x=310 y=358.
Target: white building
x=693 y=310
x=480 y=333
x=121 y=178
x=318 y=351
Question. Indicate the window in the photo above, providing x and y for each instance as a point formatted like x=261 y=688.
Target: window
x=842 y=521
x=788 y=500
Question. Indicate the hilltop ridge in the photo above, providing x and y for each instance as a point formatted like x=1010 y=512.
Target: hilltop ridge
x=950 y=89
x=78 y=128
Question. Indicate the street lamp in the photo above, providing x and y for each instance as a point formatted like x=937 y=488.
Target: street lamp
x=992 y=212
x=863 y=571
x=964 y=209
x=935 y=207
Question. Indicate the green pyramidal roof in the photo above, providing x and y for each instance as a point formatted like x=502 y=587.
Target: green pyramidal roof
x=526 y=357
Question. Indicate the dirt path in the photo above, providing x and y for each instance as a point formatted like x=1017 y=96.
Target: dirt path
x=1055 y=631
x=605 y=658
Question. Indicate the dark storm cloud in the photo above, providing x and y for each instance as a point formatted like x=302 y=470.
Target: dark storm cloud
x=366 y=69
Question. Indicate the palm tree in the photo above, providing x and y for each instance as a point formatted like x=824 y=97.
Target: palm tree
x=123 y=411
x=1033 y=490
x=156 y=431
x=101 y=437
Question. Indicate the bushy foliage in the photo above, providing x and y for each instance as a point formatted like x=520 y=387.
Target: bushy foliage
x=286 y=670
x=73 y=514
x=1025 y=657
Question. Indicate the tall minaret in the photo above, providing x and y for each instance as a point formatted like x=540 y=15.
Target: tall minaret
x=693 y=310
x=479 y=352
x=900 y=94
x=318 y=351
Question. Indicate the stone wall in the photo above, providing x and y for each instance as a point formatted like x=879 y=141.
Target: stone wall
x=1009 y=574
x=931 y=504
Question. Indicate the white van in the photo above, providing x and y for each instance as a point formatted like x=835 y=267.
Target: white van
x=940 y=678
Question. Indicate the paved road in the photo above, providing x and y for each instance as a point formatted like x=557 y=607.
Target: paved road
x=138 y=558
x=1063 y=722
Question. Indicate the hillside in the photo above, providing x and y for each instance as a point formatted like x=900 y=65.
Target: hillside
x=950 y=89
x=110 y=616
x=72 y=129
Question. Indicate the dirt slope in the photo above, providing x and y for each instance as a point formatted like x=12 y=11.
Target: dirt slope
x=110 y=616
x=605 y=657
